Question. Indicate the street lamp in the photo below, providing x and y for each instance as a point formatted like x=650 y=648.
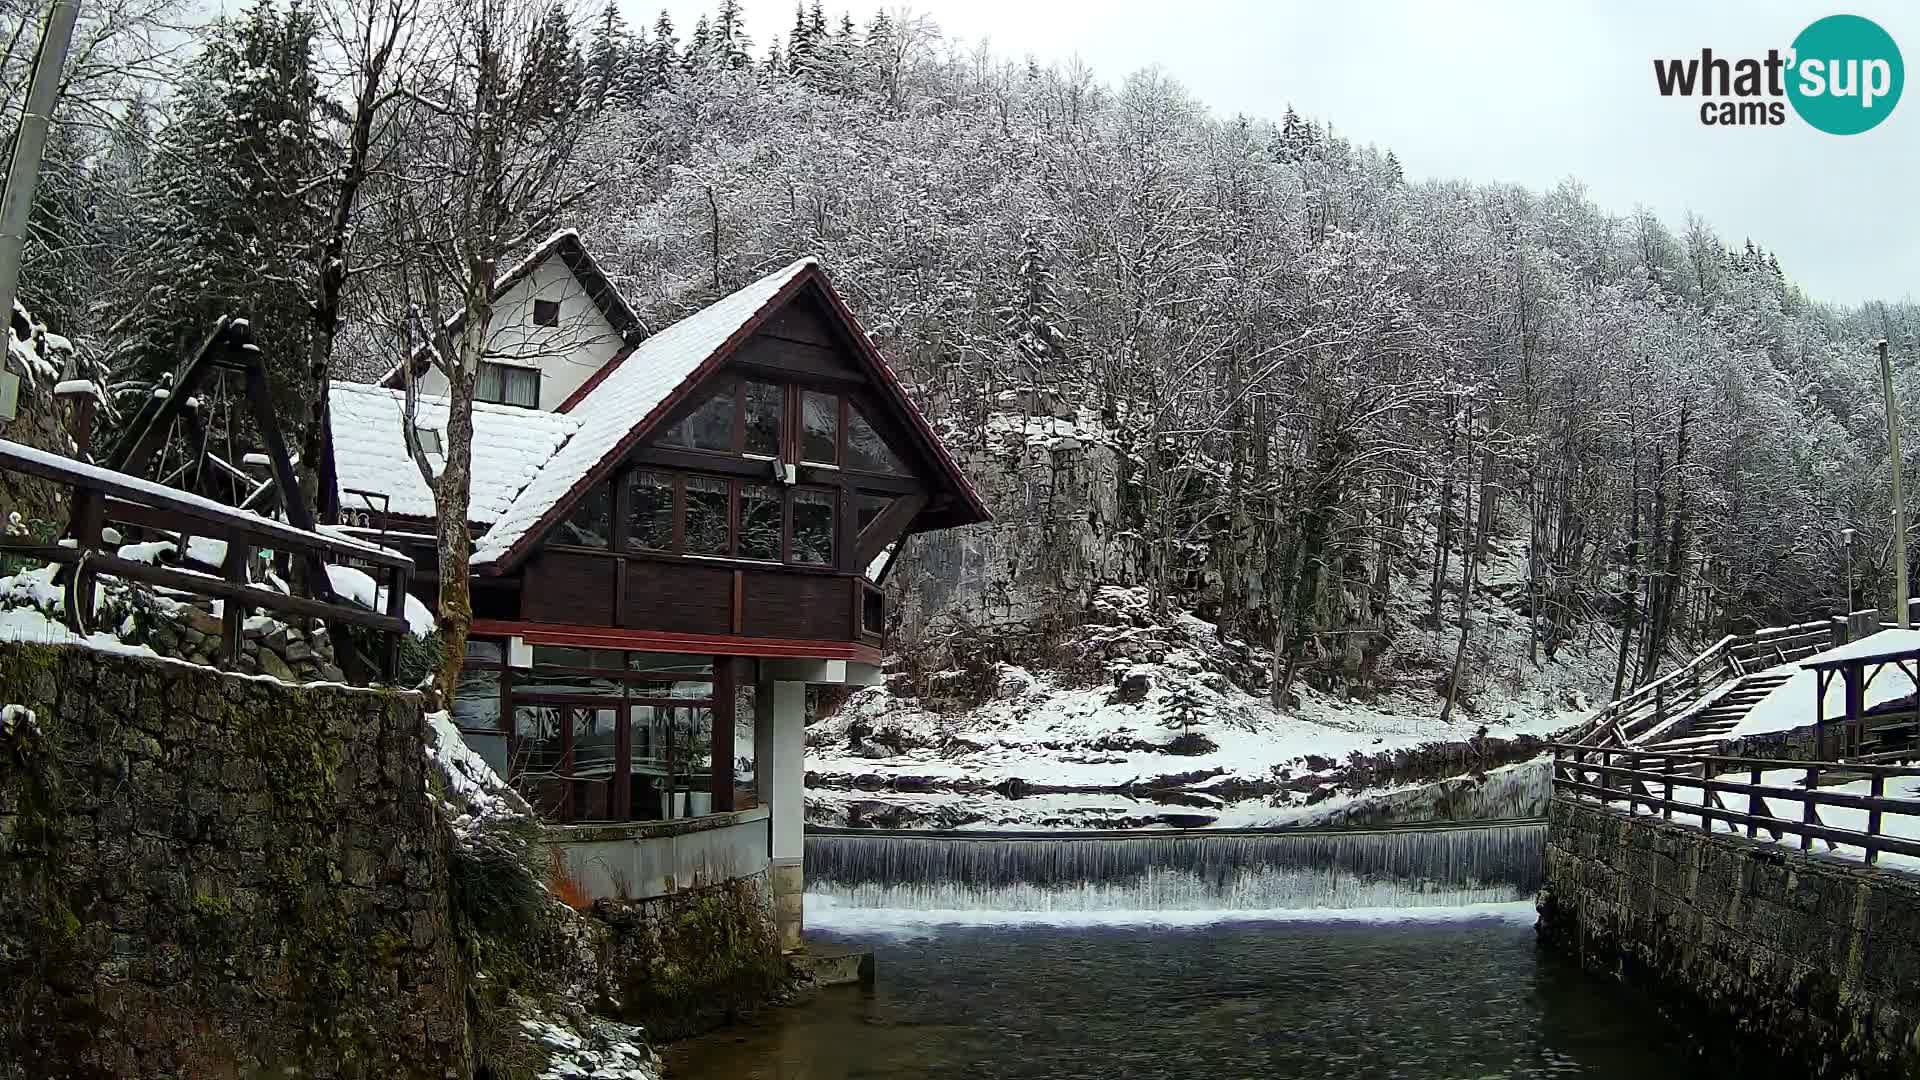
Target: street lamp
x=1846 y=543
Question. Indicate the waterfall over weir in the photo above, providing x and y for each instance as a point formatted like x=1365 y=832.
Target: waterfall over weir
x=1407 y=866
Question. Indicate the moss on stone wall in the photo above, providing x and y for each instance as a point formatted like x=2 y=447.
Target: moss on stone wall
x=695 y=959
x=204 y=875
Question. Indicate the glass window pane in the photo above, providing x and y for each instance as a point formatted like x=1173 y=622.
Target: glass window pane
x=820 y=437
x=759 y=522
x=765 y=402
x=552 y=656
x=593 y=735
x=476 y=699
x=484 y=651
x=522 y=387
x=647 y=762
x=685 y=689
x=487 y=385
x=746 y=791
x=711 y=428
x=649 y=510
x=706 y=516
x=866 y=450
x=537 y=763
x=813 y=527
x=552 y=682
x=591 y=521
x=675 y=662
x=870 y=508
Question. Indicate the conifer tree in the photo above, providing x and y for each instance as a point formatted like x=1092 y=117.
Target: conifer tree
x=552 y=69
x=608 y=54
x=699 y=46
x=636 y=79
x=665 y=51
x=235 y=212
x=799 y=42
x=731 y=46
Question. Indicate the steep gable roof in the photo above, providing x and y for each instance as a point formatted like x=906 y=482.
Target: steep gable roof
x=566 y=246
x=367 y=429
x=634 y=391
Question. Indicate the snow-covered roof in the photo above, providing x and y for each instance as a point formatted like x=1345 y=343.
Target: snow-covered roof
x=566 y=244
x=1797 y=702
x=510 y=445
x=624 y=399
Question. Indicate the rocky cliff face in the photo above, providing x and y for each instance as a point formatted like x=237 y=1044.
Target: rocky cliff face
x=1054 y=484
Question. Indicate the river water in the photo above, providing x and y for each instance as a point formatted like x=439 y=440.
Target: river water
x=1460 y=993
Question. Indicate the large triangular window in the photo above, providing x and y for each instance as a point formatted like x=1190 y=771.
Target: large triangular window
x=866 y=450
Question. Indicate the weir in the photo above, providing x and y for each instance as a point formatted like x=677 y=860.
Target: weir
x=1179 y=870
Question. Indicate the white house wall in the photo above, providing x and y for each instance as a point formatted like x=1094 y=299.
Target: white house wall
x=567 y=355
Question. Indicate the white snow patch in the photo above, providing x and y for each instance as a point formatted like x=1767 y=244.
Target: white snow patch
x=18 y=720
x=612 y=1052
x=358 y=586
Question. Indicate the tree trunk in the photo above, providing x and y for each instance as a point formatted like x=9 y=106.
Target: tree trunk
x=1632 y=591
x=453 y=493
x=1471 y=570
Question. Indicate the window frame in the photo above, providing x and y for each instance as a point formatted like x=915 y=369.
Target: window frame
x=505 y=371
x=542 y=305
x=632 y=684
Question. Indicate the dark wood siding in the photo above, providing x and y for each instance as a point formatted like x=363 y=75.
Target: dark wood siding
x=801 y=320
x=786 y=605
x=683 y=598
x=797 y=359
x=566 y=587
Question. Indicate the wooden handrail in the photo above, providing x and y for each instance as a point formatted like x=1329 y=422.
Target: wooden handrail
x=134 y=499
x=101 y=495
x=1611 y=775
x=1624 y=717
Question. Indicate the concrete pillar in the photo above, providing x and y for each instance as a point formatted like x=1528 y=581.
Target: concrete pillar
x=779 y=742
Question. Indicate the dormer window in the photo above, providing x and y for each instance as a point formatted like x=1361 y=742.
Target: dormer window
x=504 y=384
x=546 y=313
x=428 y=440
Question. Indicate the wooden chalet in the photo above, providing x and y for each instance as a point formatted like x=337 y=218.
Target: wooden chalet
x=675 y=530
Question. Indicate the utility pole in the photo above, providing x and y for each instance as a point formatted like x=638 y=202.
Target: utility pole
x=29 y=141
x=1899 y=506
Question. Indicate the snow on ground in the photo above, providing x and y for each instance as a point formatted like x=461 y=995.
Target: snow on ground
x=31 y=606
x=1168 y=717
x=824 y=913
x=358 y=586
x=474 y=792
x=610 y=1051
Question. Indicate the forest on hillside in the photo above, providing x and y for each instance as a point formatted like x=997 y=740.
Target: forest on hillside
x=1327 y=384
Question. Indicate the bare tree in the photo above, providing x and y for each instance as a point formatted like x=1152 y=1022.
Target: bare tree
x=376 y=47
x=492 y=172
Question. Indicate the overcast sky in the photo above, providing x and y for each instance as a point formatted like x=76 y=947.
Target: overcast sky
x=1530 y=93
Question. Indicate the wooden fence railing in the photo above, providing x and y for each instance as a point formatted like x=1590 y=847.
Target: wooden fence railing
x=1651 y=705
x=1651 y=779
x=102 y=495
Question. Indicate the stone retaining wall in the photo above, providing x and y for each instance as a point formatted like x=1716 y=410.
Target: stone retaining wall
x=1791 y=964
x=211 y=876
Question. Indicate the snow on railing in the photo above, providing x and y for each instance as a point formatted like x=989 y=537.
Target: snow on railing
x=101 y=495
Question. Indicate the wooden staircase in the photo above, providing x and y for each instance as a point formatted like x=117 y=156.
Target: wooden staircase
x=1711 y=723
